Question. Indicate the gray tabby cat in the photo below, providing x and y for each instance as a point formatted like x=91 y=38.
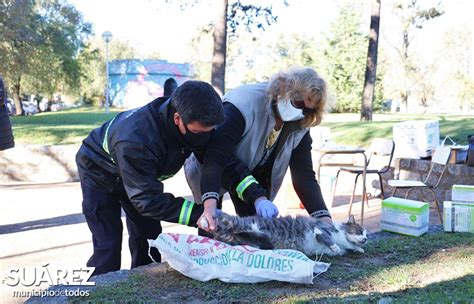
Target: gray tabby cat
x=303 y=233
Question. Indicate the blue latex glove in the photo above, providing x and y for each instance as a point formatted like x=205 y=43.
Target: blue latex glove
x=266 y=208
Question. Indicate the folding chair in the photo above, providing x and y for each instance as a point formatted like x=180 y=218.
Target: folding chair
x=439 y=158
x=380 y=147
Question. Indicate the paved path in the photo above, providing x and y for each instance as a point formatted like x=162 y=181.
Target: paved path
x=43 y=223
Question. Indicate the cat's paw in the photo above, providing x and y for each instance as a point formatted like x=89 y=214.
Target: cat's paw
x=335 y=249
x=317 y=231
x=358 y=249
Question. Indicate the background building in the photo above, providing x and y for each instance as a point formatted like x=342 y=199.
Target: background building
x=135 y=82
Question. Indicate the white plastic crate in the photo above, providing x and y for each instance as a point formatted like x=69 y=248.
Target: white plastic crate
x=415 y=139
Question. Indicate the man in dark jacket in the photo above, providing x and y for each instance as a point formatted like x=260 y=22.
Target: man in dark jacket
x=122 y=165
x=6 y=134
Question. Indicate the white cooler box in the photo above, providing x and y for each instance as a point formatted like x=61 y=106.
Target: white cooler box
x=404 y=216
x=415 y=139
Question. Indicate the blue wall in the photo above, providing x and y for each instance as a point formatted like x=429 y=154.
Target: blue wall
x=134 y=83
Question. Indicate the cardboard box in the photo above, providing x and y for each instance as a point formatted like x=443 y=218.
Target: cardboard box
x=292 y=200
x=458 y=216
x=327 y=186
x=458 y=154
x=462 y=193
x=404 y=216
x=415 y=139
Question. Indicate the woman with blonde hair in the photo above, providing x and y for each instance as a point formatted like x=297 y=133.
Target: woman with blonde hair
x=267 y=128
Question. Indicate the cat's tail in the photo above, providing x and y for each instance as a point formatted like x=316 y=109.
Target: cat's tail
x=256 y=239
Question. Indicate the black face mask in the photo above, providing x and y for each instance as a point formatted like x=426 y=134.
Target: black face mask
x=197 y=140
x=190 y=140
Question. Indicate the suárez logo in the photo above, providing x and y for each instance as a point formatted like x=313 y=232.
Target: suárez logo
x=46 y=274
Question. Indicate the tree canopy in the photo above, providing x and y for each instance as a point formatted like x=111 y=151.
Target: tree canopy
x=345 y=58
x=40 y=45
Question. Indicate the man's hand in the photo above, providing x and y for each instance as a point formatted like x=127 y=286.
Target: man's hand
x=265 y=208
x=207 y=221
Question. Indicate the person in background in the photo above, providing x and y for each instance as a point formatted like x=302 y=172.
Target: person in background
x=169 y=87
x=267 y=128
x=6 y=133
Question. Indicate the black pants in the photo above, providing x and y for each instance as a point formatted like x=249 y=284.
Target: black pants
x=103 y=215
x=6 y=135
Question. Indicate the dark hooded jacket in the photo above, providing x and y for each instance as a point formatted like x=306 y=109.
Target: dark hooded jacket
x=136 y=151
x=6 y=134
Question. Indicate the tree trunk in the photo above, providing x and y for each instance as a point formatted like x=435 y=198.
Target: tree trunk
x=406 y=67
x=404 y=102
x=16 y=97
x=220 y=47
x=371 y=67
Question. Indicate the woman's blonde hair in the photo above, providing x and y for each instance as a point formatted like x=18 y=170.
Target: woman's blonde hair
x=300 y=83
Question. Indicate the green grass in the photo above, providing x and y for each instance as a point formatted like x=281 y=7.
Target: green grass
x=73 y=125
x=347 y=129
x=437 y=267
x=69 y=126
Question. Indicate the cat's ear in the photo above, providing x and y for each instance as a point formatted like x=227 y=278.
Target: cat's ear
x=351 y=219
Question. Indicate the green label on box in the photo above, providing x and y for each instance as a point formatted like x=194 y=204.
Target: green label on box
x=463 y=188
x=405 y=205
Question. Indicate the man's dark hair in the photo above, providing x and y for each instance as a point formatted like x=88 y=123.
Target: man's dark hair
x=198 y=101
x=169 y=87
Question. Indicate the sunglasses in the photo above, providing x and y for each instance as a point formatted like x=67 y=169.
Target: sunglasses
x=299 y=104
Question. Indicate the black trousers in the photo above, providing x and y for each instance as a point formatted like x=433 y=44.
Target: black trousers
x=6 y=135
x=103 y=215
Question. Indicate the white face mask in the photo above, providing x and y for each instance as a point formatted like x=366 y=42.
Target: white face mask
x=287 y=111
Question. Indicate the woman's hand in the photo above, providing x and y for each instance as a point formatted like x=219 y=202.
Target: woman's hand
x=265 y=208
